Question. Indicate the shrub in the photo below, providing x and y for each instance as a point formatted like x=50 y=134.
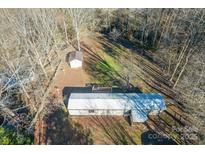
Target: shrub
x=9 y=136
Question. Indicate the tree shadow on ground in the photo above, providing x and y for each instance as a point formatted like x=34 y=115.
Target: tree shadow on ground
x=113 y=129
x=102 y=72
x=171 y=126
x=123 y=43
x=151 y=66
x=60 y=130
x=99 y=69
x=153 y=138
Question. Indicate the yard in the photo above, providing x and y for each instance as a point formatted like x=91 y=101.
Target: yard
x=111 y=129
x=117 y=129
x=103 y=65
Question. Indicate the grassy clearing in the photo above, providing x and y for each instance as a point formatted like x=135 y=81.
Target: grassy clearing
x=110 y=62
x=107 y=70
x=115 y=61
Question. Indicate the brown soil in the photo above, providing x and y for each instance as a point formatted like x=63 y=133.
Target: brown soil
x=111 y=129
x=67 y=77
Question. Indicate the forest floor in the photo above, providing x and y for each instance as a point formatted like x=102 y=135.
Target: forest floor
x=106 y=62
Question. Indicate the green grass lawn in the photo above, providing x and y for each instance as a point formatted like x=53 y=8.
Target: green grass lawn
x=110 y=62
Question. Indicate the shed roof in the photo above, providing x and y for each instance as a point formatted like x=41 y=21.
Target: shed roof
x=76 y=55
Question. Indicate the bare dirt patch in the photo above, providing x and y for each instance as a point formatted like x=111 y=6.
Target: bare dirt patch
x=67 y=77
x=70 y=77
x=111 y=129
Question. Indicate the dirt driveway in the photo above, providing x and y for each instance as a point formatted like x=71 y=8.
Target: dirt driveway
x=67 y=77
x=70 y=77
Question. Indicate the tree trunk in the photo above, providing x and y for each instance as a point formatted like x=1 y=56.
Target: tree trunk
x=183 y=68
x=180 y=58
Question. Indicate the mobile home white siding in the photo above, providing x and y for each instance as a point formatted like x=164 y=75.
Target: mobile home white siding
x=97 y=112
x=138 y=106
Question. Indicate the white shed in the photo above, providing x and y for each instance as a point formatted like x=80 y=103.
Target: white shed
x=76 y=59
x=135 y=105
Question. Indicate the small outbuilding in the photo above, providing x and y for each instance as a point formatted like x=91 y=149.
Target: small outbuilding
x=137 y=106
x=76 y=59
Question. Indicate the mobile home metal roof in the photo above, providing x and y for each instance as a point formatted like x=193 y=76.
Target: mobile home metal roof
x=138 y=116
x=115 y=96
x=119 y=101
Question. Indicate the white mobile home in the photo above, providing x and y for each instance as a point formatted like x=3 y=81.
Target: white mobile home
x=136 y=105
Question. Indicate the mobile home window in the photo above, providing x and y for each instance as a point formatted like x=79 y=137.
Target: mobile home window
x=91 y=111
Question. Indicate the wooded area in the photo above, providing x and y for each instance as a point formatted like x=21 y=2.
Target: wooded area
x=32 y=41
